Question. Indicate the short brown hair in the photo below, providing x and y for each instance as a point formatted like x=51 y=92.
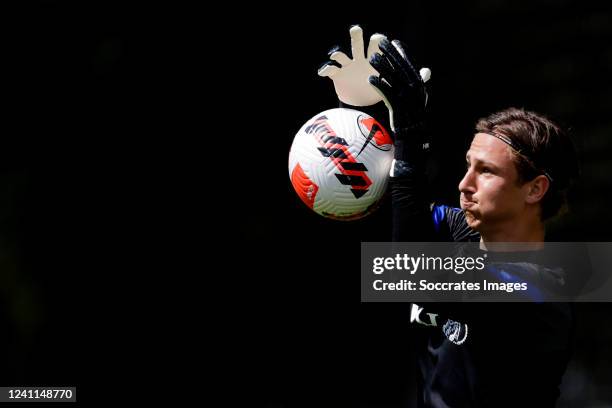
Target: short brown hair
x=540 y=147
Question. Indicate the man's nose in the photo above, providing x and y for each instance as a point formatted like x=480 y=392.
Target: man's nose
x=467 y=185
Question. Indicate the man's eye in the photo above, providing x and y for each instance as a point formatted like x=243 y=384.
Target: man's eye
x=486 y=170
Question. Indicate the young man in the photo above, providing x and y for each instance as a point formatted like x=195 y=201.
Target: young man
x=519 y=166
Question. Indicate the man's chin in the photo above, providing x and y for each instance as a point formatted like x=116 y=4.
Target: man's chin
x=471 y=220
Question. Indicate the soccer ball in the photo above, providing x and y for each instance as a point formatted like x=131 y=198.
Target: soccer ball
x=339 y=163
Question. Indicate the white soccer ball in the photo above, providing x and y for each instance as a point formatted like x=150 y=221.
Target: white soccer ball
x=339 y=163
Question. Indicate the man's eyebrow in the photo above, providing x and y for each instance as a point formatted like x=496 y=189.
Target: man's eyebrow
x=485 y=162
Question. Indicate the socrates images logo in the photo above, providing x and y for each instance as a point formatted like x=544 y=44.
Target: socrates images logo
x=339 y=163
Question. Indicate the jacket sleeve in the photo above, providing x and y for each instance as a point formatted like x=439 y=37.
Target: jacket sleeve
x=415 y=218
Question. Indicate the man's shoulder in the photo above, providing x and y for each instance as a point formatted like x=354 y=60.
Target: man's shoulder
x=451 y=220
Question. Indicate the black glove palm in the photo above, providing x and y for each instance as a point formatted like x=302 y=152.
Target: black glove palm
x=401 y=86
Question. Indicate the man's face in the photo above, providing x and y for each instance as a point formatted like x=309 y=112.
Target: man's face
x=490 y=194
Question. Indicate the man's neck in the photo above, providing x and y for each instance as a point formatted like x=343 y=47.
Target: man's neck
x=524 y=231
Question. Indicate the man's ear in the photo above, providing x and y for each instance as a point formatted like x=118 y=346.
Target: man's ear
x=536 y=189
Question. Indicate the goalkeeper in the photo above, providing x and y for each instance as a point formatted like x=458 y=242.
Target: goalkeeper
x=518 y=169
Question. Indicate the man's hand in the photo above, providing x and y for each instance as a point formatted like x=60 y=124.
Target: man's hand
x=400 y=86
x=350 y=76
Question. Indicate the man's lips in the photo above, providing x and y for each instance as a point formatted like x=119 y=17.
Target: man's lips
x=466 y=205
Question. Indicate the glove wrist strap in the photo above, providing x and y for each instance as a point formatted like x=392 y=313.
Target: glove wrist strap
x=411 y=146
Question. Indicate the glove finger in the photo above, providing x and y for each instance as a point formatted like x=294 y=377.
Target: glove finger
x=383 y=89
x=384 y=68
x=399 y=64
x=328 y=69
x=401 y=48
x=333 y=49
x=425 y=74
x=374 y=46
x=357 y=42
x=340 y=58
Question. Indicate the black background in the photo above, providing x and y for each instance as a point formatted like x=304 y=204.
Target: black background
x=148 y=221
x=311 y=340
